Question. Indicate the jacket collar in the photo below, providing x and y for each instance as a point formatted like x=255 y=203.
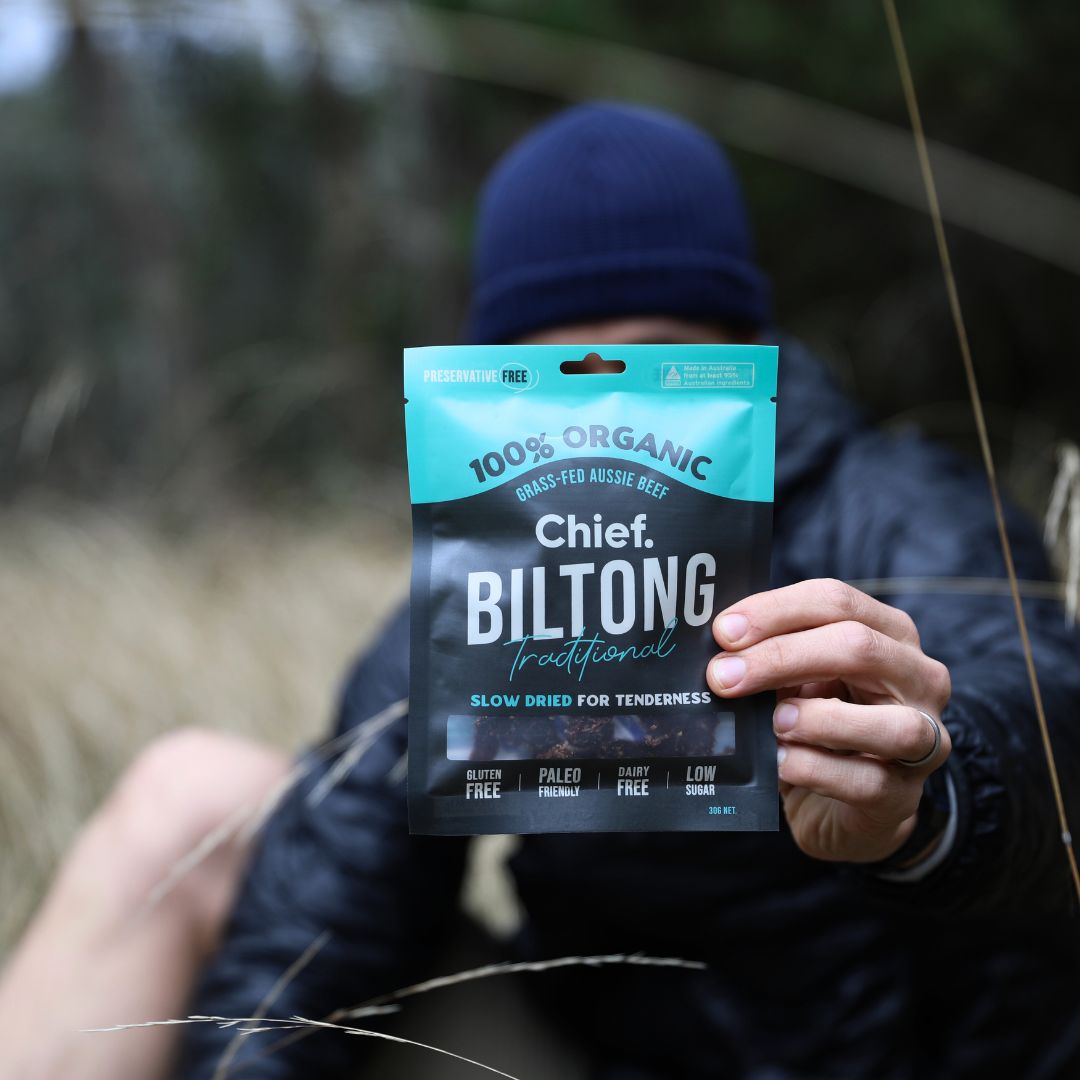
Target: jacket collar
x=814 y=417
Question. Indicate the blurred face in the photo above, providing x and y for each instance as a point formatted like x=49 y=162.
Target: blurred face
x=640 y=330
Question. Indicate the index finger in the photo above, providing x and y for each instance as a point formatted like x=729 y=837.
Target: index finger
x=803 y=606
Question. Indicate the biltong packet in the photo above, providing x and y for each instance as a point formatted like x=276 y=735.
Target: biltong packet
x=575 y=531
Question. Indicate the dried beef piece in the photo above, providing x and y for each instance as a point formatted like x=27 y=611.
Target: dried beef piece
x=657 y=732
x=561 y=752
x=534 y=736
x=590 y=734
x=485 y=739
x=699 y=734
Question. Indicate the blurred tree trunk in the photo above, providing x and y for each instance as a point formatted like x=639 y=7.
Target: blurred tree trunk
x=154 y=400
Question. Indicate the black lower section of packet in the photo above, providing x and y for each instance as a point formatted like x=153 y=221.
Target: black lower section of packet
x=697 y=764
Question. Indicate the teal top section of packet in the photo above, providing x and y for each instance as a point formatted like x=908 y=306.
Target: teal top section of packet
x=478 y=416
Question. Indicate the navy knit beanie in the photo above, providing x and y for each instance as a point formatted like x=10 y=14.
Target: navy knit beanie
x=609 y=210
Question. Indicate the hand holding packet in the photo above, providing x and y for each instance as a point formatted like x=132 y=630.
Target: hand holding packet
x=576 y=528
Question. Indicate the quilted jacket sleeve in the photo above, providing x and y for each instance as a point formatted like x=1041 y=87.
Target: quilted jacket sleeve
x=903 y=509
x=347 y=866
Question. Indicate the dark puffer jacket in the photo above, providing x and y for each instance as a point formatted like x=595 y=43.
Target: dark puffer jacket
x=815 y=969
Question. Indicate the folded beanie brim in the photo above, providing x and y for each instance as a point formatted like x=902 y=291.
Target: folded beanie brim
x=675 y=282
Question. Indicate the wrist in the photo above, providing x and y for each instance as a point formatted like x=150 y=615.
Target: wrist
x=931 y=837
x=925 y=853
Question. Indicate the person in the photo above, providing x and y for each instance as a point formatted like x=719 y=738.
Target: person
x=907 y=920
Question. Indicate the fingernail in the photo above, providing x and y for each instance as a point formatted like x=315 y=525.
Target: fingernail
x=728 y=671
x=781 y=753
x=734 y=627
x=785 y=716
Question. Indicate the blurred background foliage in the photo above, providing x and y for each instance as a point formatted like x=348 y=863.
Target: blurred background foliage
x=222 y=221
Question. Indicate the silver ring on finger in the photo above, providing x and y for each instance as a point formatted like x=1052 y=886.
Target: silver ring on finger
x=933 y=752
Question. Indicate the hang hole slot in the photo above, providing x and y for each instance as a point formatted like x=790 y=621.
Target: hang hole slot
x=592 y=364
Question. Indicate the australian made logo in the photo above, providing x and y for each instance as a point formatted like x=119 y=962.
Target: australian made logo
x=707 y=375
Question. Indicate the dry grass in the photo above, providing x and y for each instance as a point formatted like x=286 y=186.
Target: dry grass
x=115 y=630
